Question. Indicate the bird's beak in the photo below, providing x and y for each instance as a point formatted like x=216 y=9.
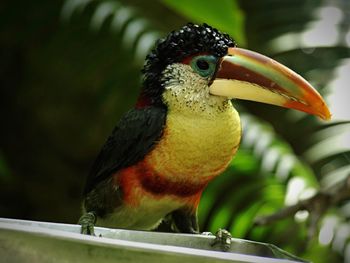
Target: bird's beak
x=247 y=75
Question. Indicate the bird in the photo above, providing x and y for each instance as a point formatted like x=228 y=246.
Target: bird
x=184 y=129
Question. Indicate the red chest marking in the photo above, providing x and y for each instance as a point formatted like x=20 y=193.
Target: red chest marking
x=141 y=178
x=157 y=184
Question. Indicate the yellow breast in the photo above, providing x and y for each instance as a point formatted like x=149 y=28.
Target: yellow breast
x=196 y=146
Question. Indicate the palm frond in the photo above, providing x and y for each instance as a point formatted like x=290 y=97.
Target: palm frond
x=135 y=32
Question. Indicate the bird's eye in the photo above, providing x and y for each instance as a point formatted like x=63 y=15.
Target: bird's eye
x=204 y=65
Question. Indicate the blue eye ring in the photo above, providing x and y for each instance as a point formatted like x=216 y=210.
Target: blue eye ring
x=204 y=65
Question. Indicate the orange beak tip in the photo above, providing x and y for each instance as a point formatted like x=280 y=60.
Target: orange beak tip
x=319 y=109
x=327 y=115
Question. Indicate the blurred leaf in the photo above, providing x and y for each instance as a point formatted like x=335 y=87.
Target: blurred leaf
x=224 y=15
x=135 y=32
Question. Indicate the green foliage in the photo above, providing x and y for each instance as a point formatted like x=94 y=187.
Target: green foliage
x=225 y=16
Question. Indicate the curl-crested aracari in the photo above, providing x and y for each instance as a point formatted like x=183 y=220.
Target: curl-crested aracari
x=184 y=131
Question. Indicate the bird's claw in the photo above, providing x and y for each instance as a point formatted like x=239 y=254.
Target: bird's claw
x=223 y=238
x=87 y=222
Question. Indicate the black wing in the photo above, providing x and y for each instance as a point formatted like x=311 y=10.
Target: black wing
x=133 y=137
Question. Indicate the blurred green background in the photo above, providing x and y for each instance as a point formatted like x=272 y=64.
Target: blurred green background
x=70 y=68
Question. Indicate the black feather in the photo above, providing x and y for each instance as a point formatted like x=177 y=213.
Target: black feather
x=135 y=135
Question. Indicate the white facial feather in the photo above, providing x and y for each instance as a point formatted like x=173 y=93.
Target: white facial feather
x=185 y=89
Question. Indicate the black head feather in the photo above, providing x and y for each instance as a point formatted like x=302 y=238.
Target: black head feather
x=178 y=45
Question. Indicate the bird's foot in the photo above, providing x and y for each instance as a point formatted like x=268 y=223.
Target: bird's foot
x=87 y=222
x=223 y=239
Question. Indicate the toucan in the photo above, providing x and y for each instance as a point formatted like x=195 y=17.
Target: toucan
x=183 y=130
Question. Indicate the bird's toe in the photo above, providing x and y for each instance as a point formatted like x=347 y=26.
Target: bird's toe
x=87 y=222
x=223 y=239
